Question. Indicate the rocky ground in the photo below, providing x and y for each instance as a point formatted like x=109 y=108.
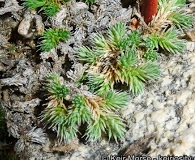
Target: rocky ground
x=160 y=121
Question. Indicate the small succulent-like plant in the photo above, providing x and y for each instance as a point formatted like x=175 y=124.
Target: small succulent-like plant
x=119 y=58
x=70 y=107
x=52 y=37
x=166 y=40
x=50 y=7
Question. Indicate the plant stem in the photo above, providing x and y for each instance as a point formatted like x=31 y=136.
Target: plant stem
x=149 y=9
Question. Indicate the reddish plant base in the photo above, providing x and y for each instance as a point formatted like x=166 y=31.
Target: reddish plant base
x=149 y=9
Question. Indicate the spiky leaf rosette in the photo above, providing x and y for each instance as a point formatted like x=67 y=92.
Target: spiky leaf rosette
x=171 y=13
x=167 y=40
x=86 y=55
x=52 y=37
x=97 y=84
x=69 y=107
x=136 y=75
x=79 y=111
x=55 y=117
x=56 y=88
x=106 y=123
x=55 y=114
x=132 y=41
x=116 y=36
x=50 y=7
x=115 y=100
x=115 y=126
x=116 y=58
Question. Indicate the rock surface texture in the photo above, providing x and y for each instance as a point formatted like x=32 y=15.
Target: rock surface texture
x=164 y=112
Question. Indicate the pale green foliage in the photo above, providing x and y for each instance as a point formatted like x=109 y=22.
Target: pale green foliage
x=150 y=55
x=170 y=42
x=115 y=100
x=108 y=123
x=116 y=35
x=101 y=45
x=95 y=129
x=115 y=58
x=50 y=7
x=167 y=41
x=52 y=37
x=112 y=121
x=173 y=9
x=33 y=4
x=171 y=5
x=151 y=42
x=127 y=59
x=181 y=20
x=166 y=27
x=86 y=55
x=135 y=76
x=55 y=115
x=133 y=40
x=97 y=84
x=99 y=113
x=80 y=113
x=66 y=132
x=55 y=87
